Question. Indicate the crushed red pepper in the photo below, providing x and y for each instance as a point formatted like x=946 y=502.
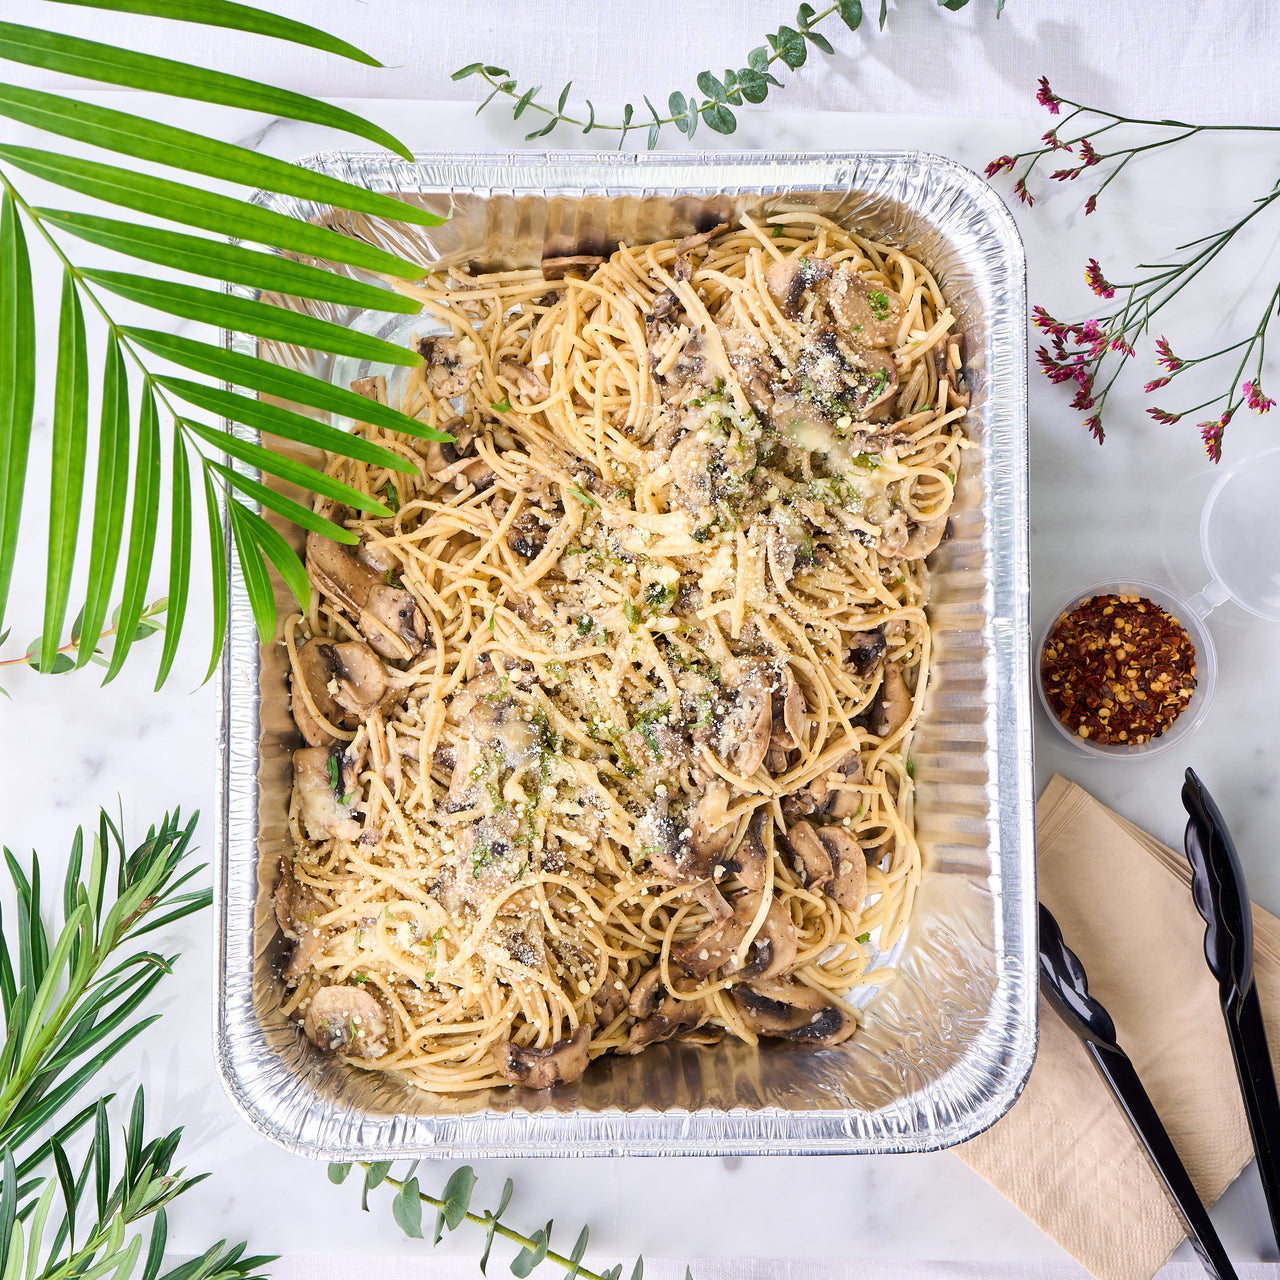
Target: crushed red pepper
x=1118 y=669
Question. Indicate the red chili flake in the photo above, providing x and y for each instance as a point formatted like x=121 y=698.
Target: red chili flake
x=1118 y=669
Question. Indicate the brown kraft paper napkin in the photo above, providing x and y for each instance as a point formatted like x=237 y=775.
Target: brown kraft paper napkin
x=1065 y=1154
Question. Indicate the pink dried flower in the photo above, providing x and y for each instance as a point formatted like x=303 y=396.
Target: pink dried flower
x=1087 y=153
x=1165 y=357
x=1156 y=385
x=1047 y=98
x=1082 y=399
x=1167 y=419
x=1096 y=281
x=1090 y=204
x=1211 y=434
x=1043 y=320
x=1065 y=175
x=1120 y=345
x=1055 y=370
x=1055 y=143
x=1257 y=401
x=1020 y=190
x=1095 y=427
x=999 y=163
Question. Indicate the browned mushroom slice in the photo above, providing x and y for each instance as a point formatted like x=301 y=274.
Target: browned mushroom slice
x=346 y=682
x=372 y=388
x=456 y=461
x=681 y=858
x=791 y=1011
x=715 y=945
x=388 y=617
x=923 y=538
x=526 y=536
x=324 y=779
x=787 y=280
x=750 y=859
x=788 y=720
x=848 y=884
x=560 y=1063
x=346 y=1020
x=773 y=949
x=660 y=1015
x=877 y=384
x=809 y=856
x=608 y=1002
x=892 y=704
x=297 y=906
x=528 y=383
x=451 y=363
x=867 y=312
x=578 y=264
x=701 y=238
x=744 y=736
x=865 y=650
x=676 y=356
x=702 y=1036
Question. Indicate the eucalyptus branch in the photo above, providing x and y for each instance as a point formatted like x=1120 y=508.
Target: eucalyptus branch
x=749 y=84
x=453 y=1208
x=69 y=1005
x=1091 y=354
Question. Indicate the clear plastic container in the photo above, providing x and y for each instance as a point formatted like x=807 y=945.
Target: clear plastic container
x=1192 y=619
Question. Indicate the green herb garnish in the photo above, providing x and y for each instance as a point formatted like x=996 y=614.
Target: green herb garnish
x=333 y=767
x=863 y=937
x=392 y=496
x=586 y=624
x=631 y=613
x=585 y=498
x=503 y=406
x=702 y=534
x=778 y=231
x=911 y=768
x=879 y=304
x=657 y=596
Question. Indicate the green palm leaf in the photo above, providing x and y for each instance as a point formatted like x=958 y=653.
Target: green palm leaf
x=218 y=260
x=239 y=17
x=293 y=511
x=298 y=473
x=218 y=565
x=142 y=531
x=166 y=144
x=179 y=554
x=70 y=440
x=272 y=379
x=109 y=499
x=253 y=567
x=283 y=423
x=75 y=56
x=262 y=319
x=17 y=383
x=223 y=215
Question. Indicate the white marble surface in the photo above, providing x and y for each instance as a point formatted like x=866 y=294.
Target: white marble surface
x=68 y=745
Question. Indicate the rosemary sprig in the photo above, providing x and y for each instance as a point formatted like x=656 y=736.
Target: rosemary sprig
x=453 y=1208
x=1091 y=354
x=69 y=1004
x=749 y=84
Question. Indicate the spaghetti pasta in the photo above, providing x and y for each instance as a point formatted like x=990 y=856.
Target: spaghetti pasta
x=609 y=723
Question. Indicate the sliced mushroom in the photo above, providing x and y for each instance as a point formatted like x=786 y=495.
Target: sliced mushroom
x=791 y=1011
x=663 y=1015
x=808 y=855
x=892 y=704
x=324 y=779
x=529 y=384
x=526 y=536
x=868 y=312
x=701 y=238
x=685 y=859
x=788 y=717
x=297 y=906
x=372 y=388
x=456 y=461
x=866 y=649
x=773 y=949
x=848 y=884
x=821 y=796
x=715 y=945
x=646 y=994
x=608 y=1003
x=387 y=616
x=346 y=1020
x=787 y=280
x=560 y=1063
x=749 y=860
x=877 y=385
x=924 y=538
x=346 y=682
x=451 y=363
x=578 y=264
x=744 y=737
x=703 y=1036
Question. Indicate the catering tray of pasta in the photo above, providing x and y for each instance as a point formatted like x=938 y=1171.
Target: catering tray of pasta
x=655 y=776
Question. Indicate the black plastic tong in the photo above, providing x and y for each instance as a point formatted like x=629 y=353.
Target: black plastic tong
x=1066 y=987
x=1222 y=899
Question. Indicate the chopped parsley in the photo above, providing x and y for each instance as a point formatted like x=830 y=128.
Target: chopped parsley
x=359 y=977
x=863 y=937
x=493 y=624
x=392 y=495
x=556 y=670
x=480 y=859
x=702 y=534
x=778 y=231
x=911 y=767
x=585 y=498
x=645 y=723
x=334 y=768
x=586 y=624
x=866 y=461
x=391 y=580
x=503 y=406
x=631 y=613
x=657 y=596
x=879 y=304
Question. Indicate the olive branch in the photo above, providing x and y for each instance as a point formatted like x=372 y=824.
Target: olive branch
x=750 y=84
x=453 y=1208
x=154 y=417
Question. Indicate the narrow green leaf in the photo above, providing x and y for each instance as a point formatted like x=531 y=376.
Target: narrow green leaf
x=193 y=207
x=109 y=498
x=272 y=379
x=102 y=1157
x=287 y=469
x=238 y=17
x=252 y=535
x=8 y=1208
x=292 y=511
x=471 y=69
x=284 y=423
x=338 y=1173
x=179 y=553
x=109 y=64
x=505 y=1199
x=262 y=319
x=155 y=1249
x=17 y=383
x=166 y=144
x=637 y=1272
x=406 y=1208
x=142 y=531
x=490 y=1232
x=70 y=442
x=579 y=1250
x=218 y=564
x=457 y=1195
x=218 y=260
x=884 y=13
x=525 y=99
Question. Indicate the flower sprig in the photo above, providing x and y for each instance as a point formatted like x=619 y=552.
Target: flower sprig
x=750 y=84
x=453 y=1208
x=1091 y=354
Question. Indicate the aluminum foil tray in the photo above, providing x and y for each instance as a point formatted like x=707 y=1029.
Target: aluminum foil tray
x=948 y=1044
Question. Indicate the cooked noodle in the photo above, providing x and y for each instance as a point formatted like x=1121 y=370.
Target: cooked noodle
x=671 y=644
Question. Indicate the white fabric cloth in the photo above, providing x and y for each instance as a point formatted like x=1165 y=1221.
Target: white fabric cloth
x=1212 y=61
